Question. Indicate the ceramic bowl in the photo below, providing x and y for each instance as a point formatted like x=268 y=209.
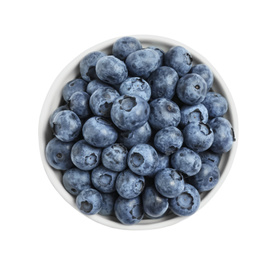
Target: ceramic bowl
x=54 y=99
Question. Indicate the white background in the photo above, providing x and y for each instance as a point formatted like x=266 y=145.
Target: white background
x=39 y=38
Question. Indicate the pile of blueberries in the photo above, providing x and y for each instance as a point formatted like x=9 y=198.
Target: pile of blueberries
x=141 y=133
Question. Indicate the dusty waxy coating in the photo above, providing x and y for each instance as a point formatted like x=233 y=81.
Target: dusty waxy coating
x=129 y=112
x=85 y=156
x=187 y=203
x=163 y=113
x=129 y=185
x=169 y=182
x=129 y=211
x=142 y=159
x=89 y=201
x=88 y=64
x=99 y=132
x=223 y=135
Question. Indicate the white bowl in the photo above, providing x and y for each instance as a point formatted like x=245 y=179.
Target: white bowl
x=54 y=99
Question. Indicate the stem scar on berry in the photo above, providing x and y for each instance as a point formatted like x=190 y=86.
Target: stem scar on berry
x=59 y=155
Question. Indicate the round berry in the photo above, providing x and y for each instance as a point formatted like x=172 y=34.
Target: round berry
x=187 y=203
x=168 y=140
x=191 y=89
x=129 y=185
x=179 y=59
x=104 y=179
x=73 y=86
x=66 y=126
x=89 y=201
x=154 y=204
x=129 y=112
x=206 y=179
x=186 y=161
x=163 y=82
x=195 y=113
x=124 y=46
x=88 y=64
x=163 y=113
x=198 y=136
x=79 y=104
x=99 y=132
x=111 y=70
x=223 y=135
x=203 y=71
x=58 y=154
x=129 y=211
x=75 y=180
x=169 y=182
x=216 y=104
x=101 y=101
x=114 y=157
x=142 y=159
x=85 y=156
x=136 y=86
x=143 y=62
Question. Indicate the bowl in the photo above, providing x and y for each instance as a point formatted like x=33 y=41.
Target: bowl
x=54 y=99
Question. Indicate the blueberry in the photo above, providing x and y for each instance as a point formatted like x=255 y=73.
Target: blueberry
x=124 y=46
x=129 y=112
x=191 y=89
x=163 y=82
x=163 y=113
x=154 y=204
x=210 y=157
x=169 y=182
x=75 y=180
x=216 y=104
x=198 y=136
x=168 y=140
x=142 y=159
x=203 y=71
x=143 y=62
x=186 y=161
x=108 y=203
x=160 y=53
x=163 y=162
x=136 y=86
x=223 y=135
x=101 y=101
x=79 y=104
x=67 y=126
x=61 y=108
x=187 y=203
x=129 y=185
x=196 y=113
x=104 y=179
x=114 y=157
x=141 y=135
x=111 y=70
x=73 y=86
x=129 y=211
x=58 y=154
x=206 y=179
x=88 y=64
x=99 y=132
x=94 y=85
x=84 y=156
x=179 y=59
x=89 y=201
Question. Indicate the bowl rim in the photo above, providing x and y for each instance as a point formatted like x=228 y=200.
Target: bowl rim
x=44 y=117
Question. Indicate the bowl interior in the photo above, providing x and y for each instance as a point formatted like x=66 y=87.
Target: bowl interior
x=54 y=99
